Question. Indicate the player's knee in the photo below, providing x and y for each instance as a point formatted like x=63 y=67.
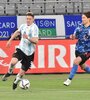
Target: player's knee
x=76 y=62
x=83 y=66
x=13 y=62
x=22 y=72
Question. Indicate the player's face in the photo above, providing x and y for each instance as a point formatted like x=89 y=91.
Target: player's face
x=29 y=20
x=85 y=20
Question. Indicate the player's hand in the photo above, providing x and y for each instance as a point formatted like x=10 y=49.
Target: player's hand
x=72 y=36
x=8 y=44
x=25 y=36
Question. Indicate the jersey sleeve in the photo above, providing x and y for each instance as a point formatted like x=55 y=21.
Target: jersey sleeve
x=35 y=32
x=76 y=32
x=20 y=28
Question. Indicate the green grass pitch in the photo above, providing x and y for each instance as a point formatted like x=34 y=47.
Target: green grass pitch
x=48 y=87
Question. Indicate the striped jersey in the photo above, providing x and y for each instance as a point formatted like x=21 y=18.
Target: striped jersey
x=25 y=45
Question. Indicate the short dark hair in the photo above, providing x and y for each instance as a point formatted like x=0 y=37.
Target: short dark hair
x=87 y=14
x=30 y=14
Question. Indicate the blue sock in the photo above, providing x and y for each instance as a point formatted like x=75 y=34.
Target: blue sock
x=87 y=69
x=73 y=71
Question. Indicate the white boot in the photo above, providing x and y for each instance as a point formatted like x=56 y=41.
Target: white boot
x=67 y=82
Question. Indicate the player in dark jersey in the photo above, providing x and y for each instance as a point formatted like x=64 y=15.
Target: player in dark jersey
x=82 y=50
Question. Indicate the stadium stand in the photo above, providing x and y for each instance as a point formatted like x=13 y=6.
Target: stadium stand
x=10 y=9
x=20 y=7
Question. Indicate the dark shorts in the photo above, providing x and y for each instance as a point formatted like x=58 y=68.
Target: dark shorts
x=25 y=60
x=84 y=56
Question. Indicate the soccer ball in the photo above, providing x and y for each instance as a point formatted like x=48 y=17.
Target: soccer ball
x=24 y=84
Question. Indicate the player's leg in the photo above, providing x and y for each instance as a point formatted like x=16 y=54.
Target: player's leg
x=10 y=69
x=26 y=64
x=85 y=68
x=83 y=58
x=18 y=78
x=73 y=70
x=15 y=58
x=83 y=65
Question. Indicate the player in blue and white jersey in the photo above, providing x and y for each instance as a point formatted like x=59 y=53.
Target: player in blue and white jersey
x=26 y=48
x=82 y=49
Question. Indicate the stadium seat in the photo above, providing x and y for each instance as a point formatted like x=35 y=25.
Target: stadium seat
x=3 y=1
x=78 y=7
x=86 y=6
x=86 y=0
x=27 y=1
x=60 y=8
x=76 y=0
x=49 y=8
x=70 y=7
x=37 y=8
x=2 y=9
x=10 y=9
x=50 y=0
x=14 y=1
x=64 y=0
x=40 y=1
x=22 y=8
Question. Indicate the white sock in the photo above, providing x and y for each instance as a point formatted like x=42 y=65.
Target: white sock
x=18 y=78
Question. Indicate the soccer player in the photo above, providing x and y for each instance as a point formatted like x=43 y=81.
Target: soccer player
x=82 y=50
x=26 y=48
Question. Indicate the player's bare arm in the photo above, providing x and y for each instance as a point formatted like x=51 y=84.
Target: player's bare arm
x=15 y=34
x=33 y=40
x=72 y=36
